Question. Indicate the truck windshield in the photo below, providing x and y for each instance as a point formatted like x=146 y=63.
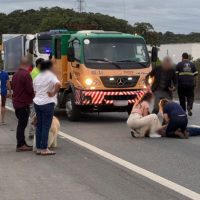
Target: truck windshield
x=44 y=46
x=122 y=53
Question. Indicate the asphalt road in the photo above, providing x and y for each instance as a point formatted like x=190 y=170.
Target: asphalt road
x=76 y=173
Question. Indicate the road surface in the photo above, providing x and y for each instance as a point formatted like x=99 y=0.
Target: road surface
x=77 y=173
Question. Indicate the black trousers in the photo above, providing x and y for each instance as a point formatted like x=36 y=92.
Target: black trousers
x=22 y=115
x=186 y=96
x=177 y=122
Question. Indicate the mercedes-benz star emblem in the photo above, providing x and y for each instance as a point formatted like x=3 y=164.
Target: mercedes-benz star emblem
x=120 y=82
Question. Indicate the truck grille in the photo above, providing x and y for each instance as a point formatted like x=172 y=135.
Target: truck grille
x=119 y=81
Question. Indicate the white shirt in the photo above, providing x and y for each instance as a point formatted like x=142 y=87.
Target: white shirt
x=44 y=83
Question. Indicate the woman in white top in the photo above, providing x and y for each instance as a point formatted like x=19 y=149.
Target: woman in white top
x=141 y=121
x=46 y=86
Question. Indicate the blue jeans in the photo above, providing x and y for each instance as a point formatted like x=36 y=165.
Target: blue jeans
x=44 y=114
x=175 y=123
x=194 y=130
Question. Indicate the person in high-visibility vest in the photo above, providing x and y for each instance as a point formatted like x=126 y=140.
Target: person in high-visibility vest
x=186 y=72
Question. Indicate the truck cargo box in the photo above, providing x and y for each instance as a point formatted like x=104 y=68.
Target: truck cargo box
x=14 y=50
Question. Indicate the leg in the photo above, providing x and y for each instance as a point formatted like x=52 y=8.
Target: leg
x=194 y=130
x=23 y=116
x=142 y=125
x=156 y=102
x=54 y=145
x=31 y=129
x=190 y=98
x=3 y=108
x=38 y=125
x=182 y=97
x=47 y=117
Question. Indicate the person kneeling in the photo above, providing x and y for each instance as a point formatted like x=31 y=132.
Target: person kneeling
x=175 y=118
x=141 y=122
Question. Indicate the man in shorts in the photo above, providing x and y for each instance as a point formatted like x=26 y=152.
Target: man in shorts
x=4 y=87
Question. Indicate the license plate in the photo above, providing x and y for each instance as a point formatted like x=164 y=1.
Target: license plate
x=120 y=103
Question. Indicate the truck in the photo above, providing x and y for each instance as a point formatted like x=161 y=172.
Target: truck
x=15 y=46
x=100 y=71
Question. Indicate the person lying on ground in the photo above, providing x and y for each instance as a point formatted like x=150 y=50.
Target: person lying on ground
x=141 y=122
x=176 y=119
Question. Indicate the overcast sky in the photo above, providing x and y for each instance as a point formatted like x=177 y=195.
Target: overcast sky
x=180 y=16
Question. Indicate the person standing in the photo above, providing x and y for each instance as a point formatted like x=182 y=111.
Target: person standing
x=23 y=95
x=46 y=86
x=35 y=72
x=164 y=82
x=4 y=88
x=186 y=72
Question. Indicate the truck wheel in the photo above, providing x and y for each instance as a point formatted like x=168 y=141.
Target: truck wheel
x=61 y=99
x=72 y=110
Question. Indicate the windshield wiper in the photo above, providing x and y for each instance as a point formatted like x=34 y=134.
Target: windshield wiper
x=140 y=63
x=107 y=61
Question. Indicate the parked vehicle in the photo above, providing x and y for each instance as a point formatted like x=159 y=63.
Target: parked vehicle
x=100 y=71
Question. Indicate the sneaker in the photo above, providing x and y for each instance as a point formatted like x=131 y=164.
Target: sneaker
x=155 y=135
x=24 y=148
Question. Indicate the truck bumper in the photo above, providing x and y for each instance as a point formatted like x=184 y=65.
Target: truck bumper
x=102 y=98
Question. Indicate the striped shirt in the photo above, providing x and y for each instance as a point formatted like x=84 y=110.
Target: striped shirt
x=186 y=71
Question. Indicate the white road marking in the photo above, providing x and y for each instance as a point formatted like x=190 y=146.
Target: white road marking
x=143 y=172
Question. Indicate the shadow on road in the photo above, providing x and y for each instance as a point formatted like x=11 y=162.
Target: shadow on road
x=96 y=117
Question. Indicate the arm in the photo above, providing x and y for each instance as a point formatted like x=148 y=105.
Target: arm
x=8 y=84
x=9 y=88
x=174 y=81
x=165 y=118
x=195 y=72
x=28 y=84
x=146 y=112
x=57 y=87
x=152 y=74
x=145 y=109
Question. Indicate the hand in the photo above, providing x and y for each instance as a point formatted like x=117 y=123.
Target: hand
x=148 y=88
x=51 y=94
x=172 y=89
x=9 y=95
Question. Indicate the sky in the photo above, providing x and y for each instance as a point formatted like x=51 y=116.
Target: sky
x=179 y=16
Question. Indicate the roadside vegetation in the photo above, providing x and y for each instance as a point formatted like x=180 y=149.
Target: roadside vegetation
x=44 y=19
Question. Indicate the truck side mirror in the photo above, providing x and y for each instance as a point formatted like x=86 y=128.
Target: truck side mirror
x=71 y=54
x=154 y=54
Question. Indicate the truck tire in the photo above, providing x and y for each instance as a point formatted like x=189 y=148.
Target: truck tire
x=61 y=99
x=72 y=110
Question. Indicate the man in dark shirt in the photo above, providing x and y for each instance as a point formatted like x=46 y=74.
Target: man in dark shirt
x=164 y=82
x=23 y=94
x=186 y=73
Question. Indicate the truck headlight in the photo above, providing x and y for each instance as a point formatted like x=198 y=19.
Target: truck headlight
x=88 y=81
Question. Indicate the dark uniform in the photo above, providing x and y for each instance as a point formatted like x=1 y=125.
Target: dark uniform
x=163 y=81
x=186 y=72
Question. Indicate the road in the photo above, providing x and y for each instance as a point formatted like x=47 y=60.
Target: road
x=77 y=173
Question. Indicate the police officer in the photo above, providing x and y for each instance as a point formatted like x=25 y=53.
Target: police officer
x=186 y=73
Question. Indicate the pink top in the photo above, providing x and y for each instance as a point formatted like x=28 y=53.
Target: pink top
x=140 y=108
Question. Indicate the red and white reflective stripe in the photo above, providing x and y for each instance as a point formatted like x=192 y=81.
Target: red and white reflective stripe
x=98 y=97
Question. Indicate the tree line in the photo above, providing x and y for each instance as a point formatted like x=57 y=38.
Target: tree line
x=45 y=19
